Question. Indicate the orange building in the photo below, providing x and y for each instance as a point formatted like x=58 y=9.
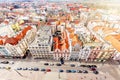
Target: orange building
x=61 y=46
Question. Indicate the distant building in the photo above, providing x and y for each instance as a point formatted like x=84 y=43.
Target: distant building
x=6 y=30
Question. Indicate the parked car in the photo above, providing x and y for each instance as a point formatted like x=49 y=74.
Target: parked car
x=51 y=64
x=94 y=66
x=72 y=65
x=48 y=70
x=46 y=64
x=61 y=70
x=73 y=71
x=8 y=68
x=43 y=70
x=95 y=72
x=79 y=71
x=5 y=62
x=83 y=65
x=93 y=69
x=25 y=68
x=19 y=68
x=84 y=71
x=11 y=62
x=30 y=69
x=68 y=71
x=3 y=67
x=58 y=64
x=89 y=66
x=36 y=69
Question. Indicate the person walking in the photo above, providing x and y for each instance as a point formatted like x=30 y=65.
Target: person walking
x=62 y=60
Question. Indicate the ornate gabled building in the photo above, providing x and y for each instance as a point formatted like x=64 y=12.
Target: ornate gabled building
x=61 y=45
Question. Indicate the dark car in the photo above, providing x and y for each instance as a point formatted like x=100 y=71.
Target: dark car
x=79 y=71
x=68 y=71
x=89 y=66
x=36 y=69
x=84 y=71
x=95 y=72
x=5 y=62
x=73 y=71
x=46 y=64
x=43 y=70
x=19 y=68
x=61 y=70
x=58 y=64
x=94 y=66
x=83 y=65
x=72 y=65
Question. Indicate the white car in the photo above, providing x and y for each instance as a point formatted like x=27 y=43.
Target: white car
x=11 y=62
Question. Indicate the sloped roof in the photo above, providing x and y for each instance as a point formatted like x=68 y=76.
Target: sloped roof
x=61 y=44
x=14 y=40
x=113 y=41
x=1 y=42
x=74 y=37
x=57 y=41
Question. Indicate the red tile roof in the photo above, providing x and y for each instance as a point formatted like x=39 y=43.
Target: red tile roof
x=61 y=44
x=1 y=42
x=14 y=40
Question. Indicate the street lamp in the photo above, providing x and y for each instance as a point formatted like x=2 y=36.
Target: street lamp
x=59 y=75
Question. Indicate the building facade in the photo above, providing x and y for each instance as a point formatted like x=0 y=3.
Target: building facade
x=41 y=46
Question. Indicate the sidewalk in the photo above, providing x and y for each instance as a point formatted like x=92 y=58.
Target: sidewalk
x=55 y=76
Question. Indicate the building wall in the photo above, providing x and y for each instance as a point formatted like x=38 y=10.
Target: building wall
x=41 y=46
x=19 y=49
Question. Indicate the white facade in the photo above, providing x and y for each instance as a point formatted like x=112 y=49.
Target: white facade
x=84 y=53
x=19 y=49
x=41 y=46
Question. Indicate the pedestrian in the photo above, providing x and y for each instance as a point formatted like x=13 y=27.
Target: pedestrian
x=62 y=60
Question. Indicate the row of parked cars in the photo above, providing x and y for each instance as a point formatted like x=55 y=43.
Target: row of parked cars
x=34 y=69
x=78 y=71
x=48 y=64
x=71 y=65
x=91 y=68
x=87 y=66
x=60 y=70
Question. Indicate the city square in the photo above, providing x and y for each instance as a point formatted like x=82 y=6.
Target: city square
x=59 y=40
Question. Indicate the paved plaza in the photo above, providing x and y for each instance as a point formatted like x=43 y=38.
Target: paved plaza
x=32 y=75
x=106 y=72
